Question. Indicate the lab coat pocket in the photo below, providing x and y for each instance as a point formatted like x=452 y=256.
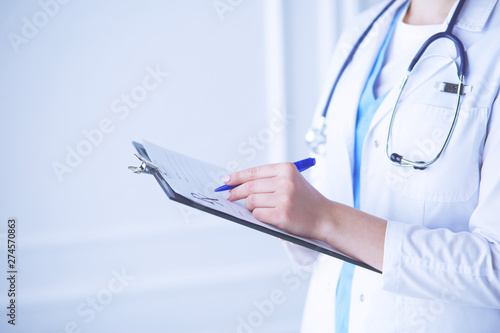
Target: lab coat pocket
x=419 y=133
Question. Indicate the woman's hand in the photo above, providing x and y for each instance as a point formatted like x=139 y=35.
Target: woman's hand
x=279 y=195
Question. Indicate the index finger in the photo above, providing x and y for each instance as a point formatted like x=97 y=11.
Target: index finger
x=263 y=171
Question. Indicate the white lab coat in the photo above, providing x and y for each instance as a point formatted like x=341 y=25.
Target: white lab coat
x=442 y=250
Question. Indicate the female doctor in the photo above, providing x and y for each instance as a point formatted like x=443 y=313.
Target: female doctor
x=408 y=180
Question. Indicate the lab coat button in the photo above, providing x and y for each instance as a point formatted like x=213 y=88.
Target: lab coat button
x=376 y=143
x=362 y=298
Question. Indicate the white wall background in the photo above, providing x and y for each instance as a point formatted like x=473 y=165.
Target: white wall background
x=228 y=73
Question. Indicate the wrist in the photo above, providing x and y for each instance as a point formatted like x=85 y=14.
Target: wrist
x=328 y=222
x=353 y=232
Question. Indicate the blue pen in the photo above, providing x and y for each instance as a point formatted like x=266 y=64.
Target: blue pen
x=301 y=165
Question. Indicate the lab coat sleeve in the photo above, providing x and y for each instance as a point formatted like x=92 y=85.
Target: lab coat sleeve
x=456 y=267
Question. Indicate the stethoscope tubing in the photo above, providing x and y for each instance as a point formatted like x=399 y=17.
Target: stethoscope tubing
x=351 y=56
x=462 y=68
x=446 y=34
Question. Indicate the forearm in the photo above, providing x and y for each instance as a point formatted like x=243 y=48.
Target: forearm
x=355 y=233
x=279 y=195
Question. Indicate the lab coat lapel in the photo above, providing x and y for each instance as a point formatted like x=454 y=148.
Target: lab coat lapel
x=350 y=92
x=385 y=107
x=360 y=69
x=344 y=106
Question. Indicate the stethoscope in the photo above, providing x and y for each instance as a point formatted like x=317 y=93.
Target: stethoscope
x=316 y=137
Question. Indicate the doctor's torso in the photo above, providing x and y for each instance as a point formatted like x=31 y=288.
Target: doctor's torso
x=445 y=195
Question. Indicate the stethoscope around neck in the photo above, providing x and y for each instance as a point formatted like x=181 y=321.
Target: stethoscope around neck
x=316 y=137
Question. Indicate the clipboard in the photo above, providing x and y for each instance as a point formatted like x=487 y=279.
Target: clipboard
x=147 y=166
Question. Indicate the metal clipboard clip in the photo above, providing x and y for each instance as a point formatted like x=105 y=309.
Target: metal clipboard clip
x=145 y=166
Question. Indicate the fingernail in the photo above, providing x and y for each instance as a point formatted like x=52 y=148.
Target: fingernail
x=226 y=179
x=227 y=195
